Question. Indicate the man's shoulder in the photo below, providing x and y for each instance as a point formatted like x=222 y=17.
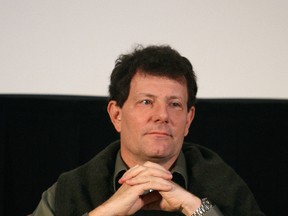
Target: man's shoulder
x=101 y=162
x=196 y=153
x=197 y=148
x=77 y=187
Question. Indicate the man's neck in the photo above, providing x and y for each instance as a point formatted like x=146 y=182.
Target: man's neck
x=167 y=163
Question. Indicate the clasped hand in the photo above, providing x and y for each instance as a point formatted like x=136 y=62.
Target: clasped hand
x=132 y=195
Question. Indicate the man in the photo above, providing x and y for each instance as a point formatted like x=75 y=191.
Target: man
x=150 y=171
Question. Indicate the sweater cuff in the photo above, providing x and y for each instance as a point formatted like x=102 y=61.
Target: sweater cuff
x=214 y=211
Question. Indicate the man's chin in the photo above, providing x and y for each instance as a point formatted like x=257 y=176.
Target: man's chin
x=158 y=149
x=159 y=142
x=157 y=154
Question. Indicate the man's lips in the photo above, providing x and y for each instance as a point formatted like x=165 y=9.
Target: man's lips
x=158 y=133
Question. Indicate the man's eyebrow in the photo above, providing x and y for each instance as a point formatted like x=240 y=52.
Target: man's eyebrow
x=154 y=96
x=175 y=97
x=146 y=95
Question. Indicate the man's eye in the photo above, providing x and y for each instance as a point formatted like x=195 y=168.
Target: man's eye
x=175 y=104
x=146 y=102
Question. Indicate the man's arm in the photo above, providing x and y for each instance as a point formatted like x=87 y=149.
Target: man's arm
x=165 y=195
x=46 y=206
x=129 y=198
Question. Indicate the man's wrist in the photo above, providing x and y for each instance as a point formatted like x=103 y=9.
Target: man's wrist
x=190 y=206
x=100 y=210
x=205 y=206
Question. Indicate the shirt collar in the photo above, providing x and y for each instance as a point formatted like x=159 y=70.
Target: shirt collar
x=178 y=170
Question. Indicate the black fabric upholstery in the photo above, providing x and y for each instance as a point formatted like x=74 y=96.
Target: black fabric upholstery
x=42 y=136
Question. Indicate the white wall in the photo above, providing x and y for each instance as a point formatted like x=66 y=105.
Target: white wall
x=238 y=47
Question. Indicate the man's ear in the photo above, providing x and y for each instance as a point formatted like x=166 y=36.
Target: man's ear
x=114 y=112
x=190 y=117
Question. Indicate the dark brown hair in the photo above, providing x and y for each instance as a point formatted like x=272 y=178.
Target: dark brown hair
x=153 y=60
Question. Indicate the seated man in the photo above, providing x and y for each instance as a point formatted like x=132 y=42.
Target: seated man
x=150 y=171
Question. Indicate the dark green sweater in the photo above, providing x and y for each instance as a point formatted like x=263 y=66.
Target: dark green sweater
x=88 y=186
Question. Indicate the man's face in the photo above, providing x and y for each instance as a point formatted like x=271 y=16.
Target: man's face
x=153 y=120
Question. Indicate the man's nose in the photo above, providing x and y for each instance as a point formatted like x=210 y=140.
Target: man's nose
x=161 y=113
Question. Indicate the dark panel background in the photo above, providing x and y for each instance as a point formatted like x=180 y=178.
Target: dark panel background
x=42 y=136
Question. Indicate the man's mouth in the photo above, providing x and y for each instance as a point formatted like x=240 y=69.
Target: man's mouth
x=159 y=133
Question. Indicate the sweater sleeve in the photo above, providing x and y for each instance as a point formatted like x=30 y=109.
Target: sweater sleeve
x=214 y=212
x=209 y=176
x=46 y=206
